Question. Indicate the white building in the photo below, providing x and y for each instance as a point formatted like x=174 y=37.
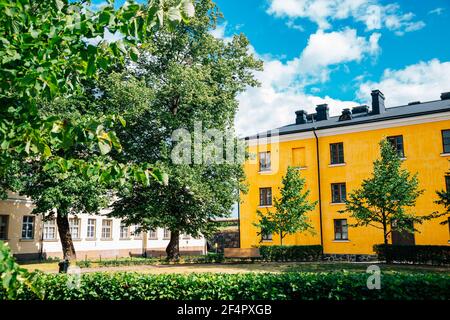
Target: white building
x=94 y=236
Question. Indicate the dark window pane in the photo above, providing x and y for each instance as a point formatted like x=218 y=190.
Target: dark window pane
x=338 y=192
x=397 y=144
x=446 y=140
x=264 y=161
x=447 y=183
x=340 y=229
x=265 y=196
x=337 y=153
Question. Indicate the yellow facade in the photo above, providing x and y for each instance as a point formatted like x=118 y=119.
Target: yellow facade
x=423 y=147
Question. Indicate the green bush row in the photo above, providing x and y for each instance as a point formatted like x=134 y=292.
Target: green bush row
x=291 y=253
x=253 y=286
x=437 y=255
x=209 y=258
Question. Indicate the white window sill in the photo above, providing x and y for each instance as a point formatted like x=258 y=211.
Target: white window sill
x=26 y=240
x=445 y=154
x=267 y=241
x=265 y=172
x=264 y=206
x=341 y=240
x=51 y=240
x=403 y=159
x=301 y=168
x=336 y=165
x=336 y=203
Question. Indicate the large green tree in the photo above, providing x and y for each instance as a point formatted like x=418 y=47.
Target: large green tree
x=47 y=58
x=443 y=200
x=291 y=208
x=386 y=199
x=194 y=79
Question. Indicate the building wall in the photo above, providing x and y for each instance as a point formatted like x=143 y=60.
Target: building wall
x=423 y=154
x=17 y=207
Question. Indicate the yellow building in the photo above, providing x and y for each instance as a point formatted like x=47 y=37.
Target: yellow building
x=334 y=155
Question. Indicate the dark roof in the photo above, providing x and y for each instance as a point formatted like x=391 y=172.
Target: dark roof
x=405 y=111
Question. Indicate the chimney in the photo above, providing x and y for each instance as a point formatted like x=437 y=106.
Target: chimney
x=301 y=116
x=377 y=102
x=346 y=115
x=322 y=112
x=445 y=96
x=360 y=109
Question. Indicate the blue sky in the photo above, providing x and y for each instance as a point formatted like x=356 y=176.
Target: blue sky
x=335 y=52
x=330 y=51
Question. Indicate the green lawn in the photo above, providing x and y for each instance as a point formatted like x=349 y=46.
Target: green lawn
x=274 y=267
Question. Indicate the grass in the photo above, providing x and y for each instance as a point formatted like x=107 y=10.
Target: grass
x=273 y=267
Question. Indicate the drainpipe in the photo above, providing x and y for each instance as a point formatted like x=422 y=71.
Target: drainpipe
x=239 y=222
x=318 y=181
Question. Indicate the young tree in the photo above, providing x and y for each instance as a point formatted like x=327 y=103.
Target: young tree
x=443 y=200
x=194 y=78
x=382 y=200
x=290 y=215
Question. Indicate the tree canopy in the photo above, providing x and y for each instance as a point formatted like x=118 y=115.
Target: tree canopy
x=193 y=80
x=386 y=199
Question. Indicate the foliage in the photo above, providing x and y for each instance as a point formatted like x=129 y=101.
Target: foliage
x=192 y=78
x=12 y=276
x=382 y=200
x=291 y=208
x=47 y=52
x=443 y=200
x=248 y=286
x=291 y=253
x=422 y=254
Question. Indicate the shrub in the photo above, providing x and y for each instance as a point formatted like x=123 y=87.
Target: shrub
x=249 y=286
x=84 y=263
x=438 y=255
x=291 y=253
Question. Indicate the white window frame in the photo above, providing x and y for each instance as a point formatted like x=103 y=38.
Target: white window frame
x=49 y=232
x=91 y=229
x=28 y=227
x=105 y=227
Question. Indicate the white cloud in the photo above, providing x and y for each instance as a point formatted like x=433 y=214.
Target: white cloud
x=337 y=47
x=423 y=81
x=437 y=11
x=370 y=12
x=282 y=83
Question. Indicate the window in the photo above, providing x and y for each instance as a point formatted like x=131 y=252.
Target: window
x=264 y=161
x=124 y=231
x=298 y=157
x=166 y=234
x=266 y=236
x=446 y=140
x=265 y=196
x=397 y=143
x=337 y=153
x=340 y=229
x=91 y=226
x=4 y=227
x=447 y=184
x=137 y=233
x=50 y=230
x=338 y=192
x=28 y=227
x=74 y=225
x=106 y=229
x=153 y=235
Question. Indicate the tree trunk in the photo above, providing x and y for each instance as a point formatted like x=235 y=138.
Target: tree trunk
x=173 y=248
x=281 y=238
x=66 y=238
x=386 y=242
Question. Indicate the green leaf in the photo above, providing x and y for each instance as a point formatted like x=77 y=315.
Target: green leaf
x=104 y=146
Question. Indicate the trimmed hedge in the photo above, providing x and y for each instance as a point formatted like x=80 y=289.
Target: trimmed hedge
x=436 y=255
x=291 y=253
x=252 y=286
x=208 y=258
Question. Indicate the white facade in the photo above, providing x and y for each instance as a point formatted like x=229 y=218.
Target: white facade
x=94 y=236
